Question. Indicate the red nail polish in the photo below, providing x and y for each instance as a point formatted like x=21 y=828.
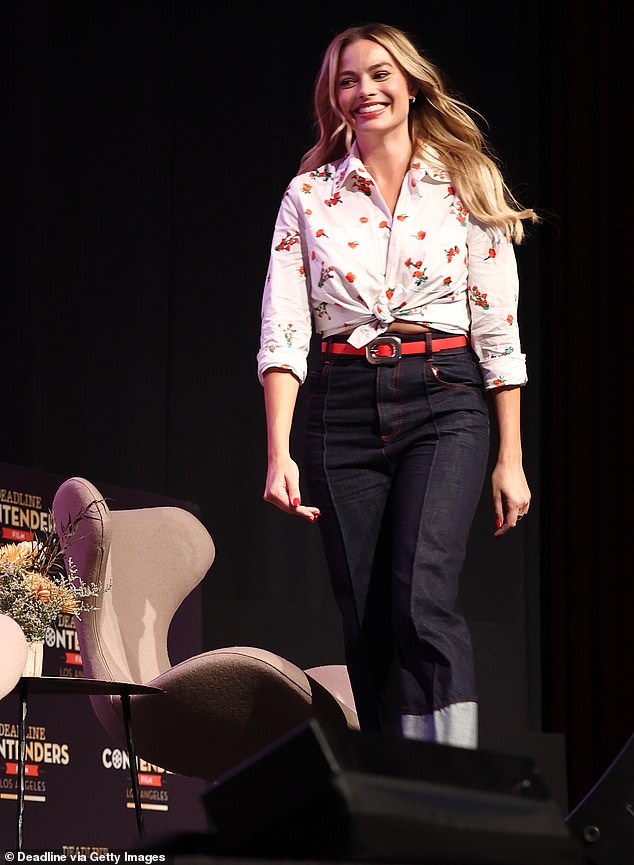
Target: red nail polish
x=498 y=523
x=295 y=503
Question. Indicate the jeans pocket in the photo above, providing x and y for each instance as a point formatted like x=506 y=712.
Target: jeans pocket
x=453 y=370
x=317 y=379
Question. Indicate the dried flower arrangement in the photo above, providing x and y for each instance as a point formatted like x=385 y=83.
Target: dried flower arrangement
x=36 y=585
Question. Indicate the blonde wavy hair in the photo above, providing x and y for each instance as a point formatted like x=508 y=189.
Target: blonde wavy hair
x=436 y=118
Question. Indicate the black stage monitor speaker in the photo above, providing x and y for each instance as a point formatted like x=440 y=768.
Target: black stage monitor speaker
x=367 y=798
x=604 y=819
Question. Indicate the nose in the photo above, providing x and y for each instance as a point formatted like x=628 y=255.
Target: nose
x=365 y=87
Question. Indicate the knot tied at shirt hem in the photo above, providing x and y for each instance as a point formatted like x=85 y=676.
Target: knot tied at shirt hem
x=382 y=315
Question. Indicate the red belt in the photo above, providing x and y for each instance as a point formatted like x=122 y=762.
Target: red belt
x=389 y=348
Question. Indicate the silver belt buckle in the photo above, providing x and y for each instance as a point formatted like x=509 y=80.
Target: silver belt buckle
x=371 y=350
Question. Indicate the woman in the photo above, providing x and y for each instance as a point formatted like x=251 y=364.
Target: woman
x=395 y=242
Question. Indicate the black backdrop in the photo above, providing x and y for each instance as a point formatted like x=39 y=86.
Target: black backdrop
x=146 y=144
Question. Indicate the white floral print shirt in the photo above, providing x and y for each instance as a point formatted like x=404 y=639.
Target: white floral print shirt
x=340 y=259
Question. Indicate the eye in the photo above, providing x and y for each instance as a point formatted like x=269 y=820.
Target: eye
x=346 y=82
x=381 y=75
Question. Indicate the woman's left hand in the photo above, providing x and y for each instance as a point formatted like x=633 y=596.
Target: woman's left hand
x=511 y=496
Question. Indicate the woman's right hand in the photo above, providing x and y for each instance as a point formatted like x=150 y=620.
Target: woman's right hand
x=282 y=477
x=282 y=489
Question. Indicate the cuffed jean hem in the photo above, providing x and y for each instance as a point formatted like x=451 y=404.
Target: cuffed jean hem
x=452 y=725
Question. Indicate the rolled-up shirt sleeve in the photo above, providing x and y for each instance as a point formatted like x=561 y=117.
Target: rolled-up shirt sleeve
x=493 y=300
x=286 y=326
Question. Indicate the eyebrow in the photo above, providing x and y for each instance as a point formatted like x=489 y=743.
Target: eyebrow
x=372 y=68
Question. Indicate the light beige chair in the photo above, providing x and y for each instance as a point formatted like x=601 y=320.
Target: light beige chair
x=13 y=650
x=217 y=708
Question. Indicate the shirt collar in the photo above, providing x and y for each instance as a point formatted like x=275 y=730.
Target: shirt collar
x=351 y=164
x=426 y=163
x=429 y=163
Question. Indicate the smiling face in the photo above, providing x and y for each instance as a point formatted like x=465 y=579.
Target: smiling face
x=372 y=91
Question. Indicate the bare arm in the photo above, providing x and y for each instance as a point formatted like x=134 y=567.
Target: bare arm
x=511 y=494
x=282 y=478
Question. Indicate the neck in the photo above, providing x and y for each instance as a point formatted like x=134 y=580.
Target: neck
x=386 y=155
x=387 y=160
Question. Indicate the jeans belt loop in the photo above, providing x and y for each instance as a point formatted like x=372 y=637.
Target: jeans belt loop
x=429 y=347
x=372 y=348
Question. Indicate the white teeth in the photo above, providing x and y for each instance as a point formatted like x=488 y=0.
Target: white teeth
x=368 y=109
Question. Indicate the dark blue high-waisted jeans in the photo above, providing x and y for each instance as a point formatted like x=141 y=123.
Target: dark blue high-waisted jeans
x=395 y=459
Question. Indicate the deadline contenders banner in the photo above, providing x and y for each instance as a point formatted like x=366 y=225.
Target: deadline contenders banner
x=78 y=795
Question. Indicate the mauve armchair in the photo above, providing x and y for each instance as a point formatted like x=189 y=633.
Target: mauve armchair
x=216 y=709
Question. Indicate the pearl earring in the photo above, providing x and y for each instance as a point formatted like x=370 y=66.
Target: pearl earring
x=412 y=100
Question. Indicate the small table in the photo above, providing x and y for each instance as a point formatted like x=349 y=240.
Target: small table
x=60 y=685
